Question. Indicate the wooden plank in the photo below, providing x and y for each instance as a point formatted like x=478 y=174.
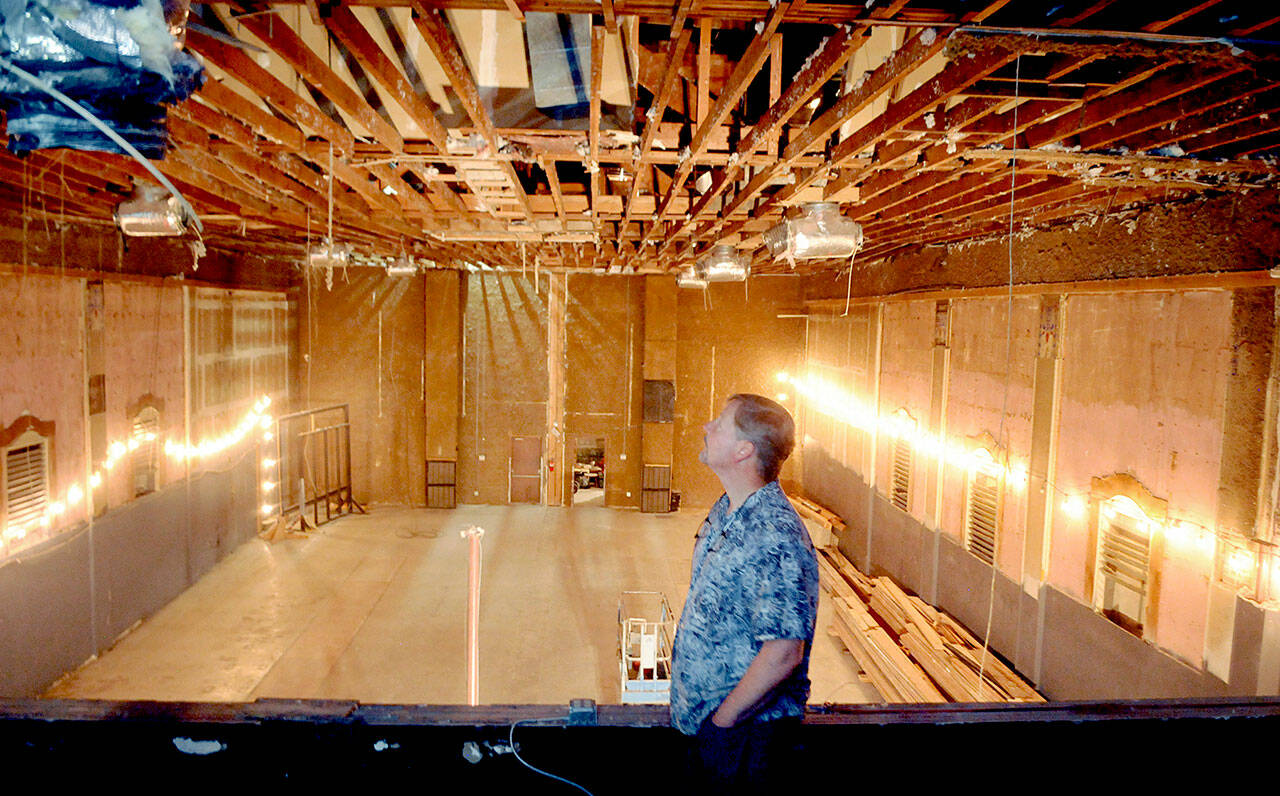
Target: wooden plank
x=593 y=121
x=904 y=60
x=288 y=44
x=828 y=59
x=236 y=62
x=515 y=10
x=1168 y=22
x=653 y=119
x=263 y=122
x=349 y=30
x=610 y=17
x=743 y=73
x=850 y=638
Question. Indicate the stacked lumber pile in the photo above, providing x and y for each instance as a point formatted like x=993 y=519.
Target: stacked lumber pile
x=827 y=520
x=909 y=650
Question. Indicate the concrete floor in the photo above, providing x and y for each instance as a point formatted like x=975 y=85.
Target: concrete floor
x=373 y=608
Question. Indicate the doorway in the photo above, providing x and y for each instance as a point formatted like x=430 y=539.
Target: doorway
x=525 y=481
x=588 y=471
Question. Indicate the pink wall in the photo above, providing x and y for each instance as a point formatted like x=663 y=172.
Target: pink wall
x=42 y=371
x=906 y=372
x=1143 y=387
x=144 y=353
x=990 y=392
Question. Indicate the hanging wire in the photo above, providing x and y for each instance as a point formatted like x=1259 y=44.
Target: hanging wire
x=1008 y=366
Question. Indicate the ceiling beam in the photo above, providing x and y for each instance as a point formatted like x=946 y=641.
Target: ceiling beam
x=653 y=117
x=439 y=36
x=235 y=61
x=353 y=35
x=288 y=44
x=739 y=80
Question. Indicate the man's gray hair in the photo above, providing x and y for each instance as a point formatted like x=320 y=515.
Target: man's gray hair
x=768 y=426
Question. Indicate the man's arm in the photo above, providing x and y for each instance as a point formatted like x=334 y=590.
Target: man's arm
x=775 y=660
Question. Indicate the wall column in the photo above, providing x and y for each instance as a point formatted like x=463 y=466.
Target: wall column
x=1044 y=437
x=657 y=442
x=558 y=466
x=442 y=358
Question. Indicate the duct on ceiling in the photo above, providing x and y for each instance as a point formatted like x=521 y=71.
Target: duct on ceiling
x=119 y=59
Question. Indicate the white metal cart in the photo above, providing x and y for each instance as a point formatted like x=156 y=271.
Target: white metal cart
x=646 y=628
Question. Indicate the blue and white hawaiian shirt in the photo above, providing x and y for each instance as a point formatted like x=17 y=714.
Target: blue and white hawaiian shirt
x=755 y=578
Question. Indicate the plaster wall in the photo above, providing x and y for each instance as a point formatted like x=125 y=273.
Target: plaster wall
x=989 y=400
x=42 y=372
x=441 y=369
x=504 y=381
x=729 y=340
x=144 y=342
x=1207 y=234
x=603 y=388
x=906 y=372
x=1150 y=382
x=366 y=342
x=1143 y=386
x=67 y=592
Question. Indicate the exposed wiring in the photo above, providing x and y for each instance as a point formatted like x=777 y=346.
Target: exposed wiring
x=188 y=211
x=1008 y=365
x=511 y=740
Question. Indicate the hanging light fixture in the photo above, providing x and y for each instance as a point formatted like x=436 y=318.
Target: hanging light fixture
x=152 y=212
x=688 y=277
x=722 y=264
x=402 y=266
x=815 y=231
x=329 y=255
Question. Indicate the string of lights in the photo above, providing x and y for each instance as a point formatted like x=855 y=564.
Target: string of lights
x=257 y=420
x=1244 y=560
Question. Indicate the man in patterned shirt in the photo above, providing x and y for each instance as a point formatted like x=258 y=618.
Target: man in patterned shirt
x=741 y=658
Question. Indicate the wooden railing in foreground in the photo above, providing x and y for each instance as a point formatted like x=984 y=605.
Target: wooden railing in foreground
x=909 y=650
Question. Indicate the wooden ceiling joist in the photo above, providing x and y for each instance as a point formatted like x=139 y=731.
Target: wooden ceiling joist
x=919 y=148
x=289 y=46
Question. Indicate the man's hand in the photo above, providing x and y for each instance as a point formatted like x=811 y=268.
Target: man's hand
x=775 y=660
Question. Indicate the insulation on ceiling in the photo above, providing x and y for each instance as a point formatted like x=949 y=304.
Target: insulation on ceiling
x=119 y=59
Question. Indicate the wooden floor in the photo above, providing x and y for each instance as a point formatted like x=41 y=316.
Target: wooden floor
x=373 y=608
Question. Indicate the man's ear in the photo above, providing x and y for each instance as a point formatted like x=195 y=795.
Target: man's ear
x=744 y=450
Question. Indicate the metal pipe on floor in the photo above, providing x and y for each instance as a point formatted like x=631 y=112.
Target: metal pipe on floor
x=472 y=535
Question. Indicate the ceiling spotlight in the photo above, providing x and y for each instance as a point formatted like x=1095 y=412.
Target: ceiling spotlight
x=722 y=264
x=152 y=212
x=815 y=231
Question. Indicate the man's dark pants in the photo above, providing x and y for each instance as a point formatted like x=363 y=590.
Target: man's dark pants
x=748 y=757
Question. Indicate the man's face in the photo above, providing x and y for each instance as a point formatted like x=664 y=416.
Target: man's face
x=720 y=439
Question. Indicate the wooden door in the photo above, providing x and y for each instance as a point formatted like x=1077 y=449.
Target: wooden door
x=526 y=470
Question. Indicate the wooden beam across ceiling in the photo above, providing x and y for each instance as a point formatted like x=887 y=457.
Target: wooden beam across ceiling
x=917 y=147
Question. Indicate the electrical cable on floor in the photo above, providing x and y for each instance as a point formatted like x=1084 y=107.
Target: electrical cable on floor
x=511 y=740
x=1008 y=364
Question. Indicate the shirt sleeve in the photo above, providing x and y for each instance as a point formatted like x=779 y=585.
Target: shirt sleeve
x=781 y=608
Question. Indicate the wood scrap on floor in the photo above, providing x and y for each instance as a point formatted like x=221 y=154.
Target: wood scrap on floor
x=909 y=650
x=826 y=518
